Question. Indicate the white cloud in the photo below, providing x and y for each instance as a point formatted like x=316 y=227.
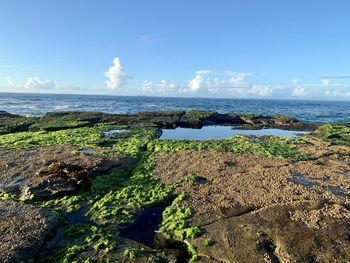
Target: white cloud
x=9 y=82
x=35 y=83
x=32 y=83
x=210 y=83
x=335 y=93
x=299 y=91
x=325 y=82
x=239 y=79
x=197 y=83
x=116 y=76
x=205 y=72
x=213 y=81
x=163 y=87
x=261 y=91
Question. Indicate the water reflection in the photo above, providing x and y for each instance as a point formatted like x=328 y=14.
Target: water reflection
x=222 y=132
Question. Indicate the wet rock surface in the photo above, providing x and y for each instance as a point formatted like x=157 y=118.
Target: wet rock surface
x=49 y=171
x=23 y=229
x=306 y=232
x=163 y=119
x=261 y=209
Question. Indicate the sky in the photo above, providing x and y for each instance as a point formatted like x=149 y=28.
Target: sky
x=291 y=49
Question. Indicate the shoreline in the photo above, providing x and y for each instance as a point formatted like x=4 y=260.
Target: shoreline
x=87 y=186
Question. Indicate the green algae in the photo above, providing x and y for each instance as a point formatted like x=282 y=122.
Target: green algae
x=208 y=242
x=67 y=204
x=175 y=221
x=9 y=197
x=14 y=197
x=335 y=133
x=76 y=231
x=133 y=253
x=81 y=137
x=87 y=137
x=270 y=147
x=192 y=250
x=136 y=192
x=96 y=239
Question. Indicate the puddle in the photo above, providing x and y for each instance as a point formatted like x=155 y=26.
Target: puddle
x=87 y=151
x=113 y=133
x=144 y=228
x=222 y=132
x=300 y=179
x=145 y=231
x=201 y=180
x=78 y=217
x=336 y=190
x=74 y=218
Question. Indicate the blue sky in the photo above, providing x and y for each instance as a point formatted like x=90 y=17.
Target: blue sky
x=228 y=48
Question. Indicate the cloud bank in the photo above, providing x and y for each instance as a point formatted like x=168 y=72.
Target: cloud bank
x=32 y=83
x=210 y=83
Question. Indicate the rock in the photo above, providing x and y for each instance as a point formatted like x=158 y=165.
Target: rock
x=5 y=114
x=308 y=232
x=162 y=119
x=54 y=121
x=15 y=124
x=50 y=171
x=257 y=210
x=23 y=229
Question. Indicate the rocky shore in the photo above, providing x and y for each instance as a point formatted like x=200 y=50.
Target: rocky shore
x=97 y=187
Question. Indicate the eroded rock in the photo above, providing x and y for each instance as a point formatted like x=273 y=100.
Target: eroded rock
x=49 y=171
x=23 y=229
x=256 y=209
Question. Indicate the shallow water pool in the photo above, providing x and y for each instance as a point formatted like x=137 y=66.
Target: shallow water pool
x=222 y=132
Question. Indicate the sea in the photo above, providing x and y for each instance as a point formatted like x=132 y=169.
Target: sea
x=304 y=110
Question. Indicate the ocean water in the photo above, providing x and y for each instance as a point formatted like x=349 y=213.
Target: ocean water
x=39 y=104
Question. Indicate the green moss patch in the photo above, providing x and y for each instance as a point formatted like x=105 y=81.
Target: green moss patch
x=175 y=221
x=270 y=147
x=336 y=133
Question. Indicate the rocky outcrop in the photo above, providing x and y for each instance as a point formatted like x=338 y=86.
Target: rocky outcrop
x=54 y=121
x=50 y=171
x=23 y=229
x=5 y=114
x=161 y=119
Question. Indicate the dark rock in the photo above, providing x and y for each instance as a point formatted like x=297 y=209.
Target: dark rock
x=224 y=119
x=15 y=124
x=196 y=119
x=162 y=119
x=5 y=114
x=54 y=121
